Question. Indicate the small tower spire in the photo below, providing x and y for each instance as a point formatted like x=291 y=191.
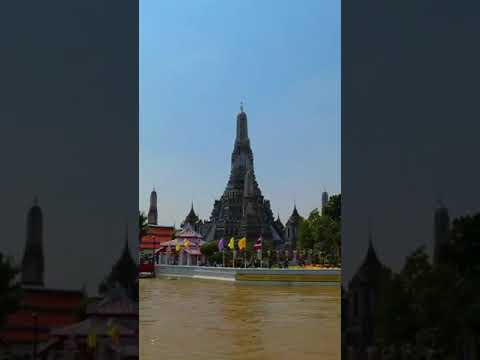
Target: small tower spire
x=153 y=212
x=33 y=261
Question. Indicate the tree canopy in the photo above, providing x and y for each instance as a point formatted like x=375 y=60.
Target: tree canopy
x=321 y=232
x=10 y=290
x=427 y=305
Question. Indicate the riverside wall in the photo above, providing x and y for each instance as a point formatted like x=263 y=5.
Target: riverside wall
x=327 y=277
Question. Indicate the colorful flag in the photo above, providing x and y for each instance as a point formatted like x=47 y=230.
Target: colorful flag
x=221 y=244
x=92 y=340
x=231 y=244
x=114 y=333
x=177 y=246
x=258 y=244
x=186 y=244
x=242 y=243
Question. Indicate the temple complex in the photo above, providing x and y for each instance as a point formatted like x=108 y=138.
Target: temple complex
x=41 y=308
x=53 y=323
x=241 y=211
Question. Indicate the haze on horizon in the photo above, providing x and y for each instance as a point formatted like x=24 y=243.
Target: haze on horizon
x=198 y=61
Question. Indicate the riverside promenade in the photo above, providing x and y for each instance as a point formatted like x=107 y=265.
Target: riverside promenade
x=253 y=276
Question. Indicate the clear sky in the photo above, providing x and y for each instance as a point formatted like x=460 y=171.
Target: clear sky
x=198 y=60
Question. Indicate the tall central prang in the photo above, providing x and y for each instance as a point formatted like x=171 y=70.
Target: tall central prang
x=242 y=210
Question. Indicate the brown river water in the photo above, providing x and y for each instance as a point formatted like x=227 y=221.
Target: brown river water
x=207 y=319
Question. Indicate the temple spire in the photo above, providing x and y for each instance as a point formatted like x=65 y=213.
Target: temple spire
x=242 y=126
x=153 y=212
x=33 y=261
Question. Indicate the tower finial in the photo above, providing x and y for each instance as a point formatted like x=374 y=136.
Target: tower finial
x=35 y=200
x=241 y=106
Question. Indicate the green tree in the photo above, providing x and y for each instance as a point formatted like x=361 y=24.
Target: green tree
x=10 y=290
x=209 y=249
x=142 y=224
x=333 y=209
x=321 y=233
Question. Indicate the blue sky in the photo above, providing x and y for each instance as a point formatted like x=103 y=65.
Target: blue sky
x=198 y=60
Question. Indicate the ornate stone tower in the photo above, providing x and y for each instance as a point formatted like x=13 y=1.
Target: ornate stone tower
x=242 y=210
x=33 y=262
x=152 y=212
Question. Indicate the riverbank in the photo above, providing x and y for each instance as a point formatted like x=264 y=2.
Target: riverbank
x=322 y=277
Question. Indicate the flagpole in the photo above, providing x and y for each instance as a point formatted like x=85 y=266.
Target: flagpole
x=245 y=257
x=223 y=257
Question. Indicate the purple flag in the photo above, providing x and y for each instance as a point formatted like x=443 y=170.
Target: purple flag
x=221 y=244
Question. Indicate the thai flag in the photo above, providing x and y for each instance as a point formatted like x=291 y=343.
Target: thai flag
x=258 y=244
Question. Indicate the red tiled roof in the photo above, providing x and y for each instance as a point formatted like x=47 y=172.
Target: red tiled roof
x=54 y=308
x=155 y=236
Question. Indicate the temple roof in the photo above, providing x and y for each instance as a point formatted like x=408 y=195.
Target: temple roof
x=86 y=327
x=370 y=270
x=191 y=218
x=156 y=234
x=116 y=302
x=54 y=308
x=188 y=232
x=295 y=217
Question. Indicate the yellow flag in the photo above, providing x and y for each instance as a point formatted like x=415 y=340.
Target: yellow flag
x=177 y=247
x=231 y=243
x=114 y=334
x=92 y=340
x=186 y=243
x=242 y=243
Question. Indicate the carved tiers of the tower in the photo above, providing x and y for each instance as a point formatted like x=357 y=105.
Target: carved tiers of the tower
x=33 y=261
x=242 y=155
x=152 y=212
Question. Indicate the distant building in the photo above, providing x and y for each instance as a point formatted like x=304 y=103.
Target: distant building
x=441 y=232
x=359 y=304
x=196 y=223
x=152 y=211
x=292 y=229
x=324 y=201
x=155 y=234
x=154 y=237
x=189 y=242
x=124 y=273
x=112 y=326
x=33 y=267
x=41 y=309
